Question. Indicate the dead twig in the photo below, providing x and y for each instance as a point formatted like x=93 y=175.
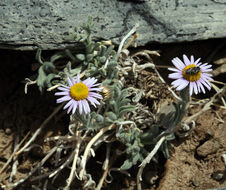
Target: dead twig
x=53 y=87
x=217 y=90
x=29 y=82
x=15 y=161
x=66 y=163
x=220 y=61
x=219 y=70
x=218 y=82
x=206 y=107
x=38 y=131
x=125 y=38
x=88 y=147
x=146 y=54
x=73 y=168
x=31 y=172
x=14 y=152
x=147 y=160
x=105 y=167
x=131 y=41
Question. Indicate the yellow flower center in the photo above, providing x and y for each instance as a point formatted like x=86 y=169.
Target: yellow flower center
x=191 y=73
x=79 y=91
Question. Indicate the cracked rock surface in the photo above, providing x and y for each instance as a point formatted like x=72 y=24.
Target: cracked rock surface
x=28 y=24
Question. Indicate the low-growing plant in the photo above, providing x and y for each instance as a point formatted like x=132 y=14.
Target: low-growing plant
x=92 y=79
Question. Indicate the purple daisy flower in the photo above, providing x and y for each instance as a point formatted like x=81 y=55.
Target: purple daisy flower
x=192 y=73
x=78 y=94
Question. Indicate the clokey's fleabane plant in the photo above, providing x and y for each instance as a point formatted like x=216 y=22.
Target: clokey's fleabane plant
x=192 y=73
x=78 y=94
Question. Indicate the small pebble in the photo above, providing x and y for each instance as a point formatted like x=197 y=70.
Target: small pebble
x=125 y=54
x=151 y=177
x=209 y=147
x=218 y=175
x=8 y=131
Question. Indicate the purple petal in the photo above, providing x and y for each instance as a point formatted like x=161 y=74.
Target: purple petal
x=186 y=60
x=205 y=83
x=90 y=82
x=75 y=104
x=87 y=81
x=200 y=63
x=195 y=88
x=63 y=89
x=208 y=74
x=98 y=84
x=208 y=83
x=175 y=75
x=197 y=62
x=178 y=63
x=205 y=66
x=93 y=101
x=95 y=89
x=178 y=82
x=201 y=86
x=207 y=70
x=62 y=93
x=206 y=77
x=78 y=78
x=67 y=87
x=73 y=81
x=192 y=59
x=68 y=104
x=174 y=69
x=85 y=106
x=69 y=82
x=93 y=94
x=63 y=99
x=70 y=108
x=199 y=90
x=182 y=85
x=198 y=86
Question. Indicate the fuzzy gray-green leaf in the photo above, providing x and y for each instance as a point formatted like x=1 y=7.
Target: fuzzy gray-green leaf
x=127 y=108
x=89 y=57
x=48 y=65
x=126 y=165
x=56 y=57
x=111 y=116
x=80 y=57
x=99 y=118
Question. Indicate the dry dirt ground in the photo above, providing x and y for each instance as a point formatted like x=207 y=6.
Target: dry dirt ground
x=196 y=161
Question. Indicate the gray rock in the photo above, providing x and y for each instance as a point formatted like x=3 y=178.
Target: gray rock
x=27 y=24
